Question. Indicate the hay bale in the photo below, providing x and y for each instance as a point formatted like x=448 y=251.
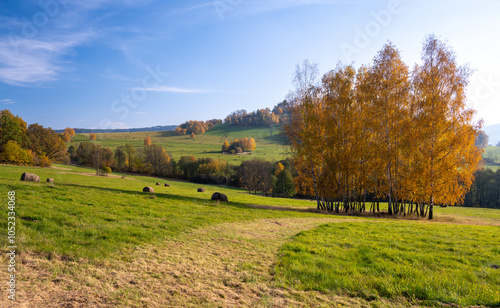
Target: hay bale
x=148 y=189
x=167 y=185
x=30 y=177
x=219 y=197
x=201 y=189
x=50 y=180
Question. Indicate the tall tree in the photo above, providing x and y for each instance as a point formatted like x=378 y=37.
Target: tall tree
x=120 y=157
x=303 y=127
x=447 y=155
x=156 y=156
x=388 y=94
x=131 y=152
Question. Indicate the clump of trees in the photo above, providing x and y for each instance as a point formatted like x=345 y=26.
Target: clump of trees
x=239 y=146
x=196 y=127
x=261 y=117
x=405 y=137
x=485 y=190
x=29 y=145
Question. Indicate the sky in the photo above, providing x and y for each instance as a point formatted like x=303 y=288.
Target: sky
x=131 y=63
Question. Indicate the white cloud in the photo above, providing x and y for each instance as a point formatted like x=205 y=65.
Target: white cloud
x=24 y=61
x=7 y=101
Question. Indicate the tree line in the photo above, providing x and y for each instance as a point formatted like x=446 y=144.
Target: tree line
x=485 y=190
x=21 y=144
x=257 y=176
x=385 y=132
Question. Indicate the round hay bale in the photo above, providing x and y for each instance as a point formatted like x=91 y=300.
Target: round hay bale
x=148 y=189
x=167 y=185
x=50 y=180
x=201 y=189
x=30 y=177
x=219 y=197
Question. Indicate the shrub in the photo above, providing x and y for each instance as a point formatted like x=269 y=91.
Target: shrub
x=14 y=154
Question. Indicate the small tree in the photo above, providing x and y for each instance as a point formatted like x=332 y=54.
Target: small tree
x=193 y=136
x=106 y=170
x=93 y=136
x=284 y=185
x=225 y=146
x=69 y=133
x=147 y=141
x=279 y=169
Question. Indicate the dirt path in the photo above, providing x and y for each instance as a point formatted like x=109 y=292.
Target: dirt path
x=226 y=265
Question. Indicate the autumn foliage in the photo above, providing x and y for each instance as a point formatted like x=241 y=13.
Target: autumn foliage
x=385 y=132
x=239 y=145
x=197 y=127
x=29 y=145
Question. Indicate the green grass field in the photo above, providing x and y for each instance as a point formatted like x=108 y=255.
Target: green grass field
x=93 y=241
x=204 y=145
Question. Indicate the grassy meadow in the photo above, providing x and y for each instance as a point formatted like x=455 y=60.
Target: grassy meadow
x=94 y=241
x=208 y=144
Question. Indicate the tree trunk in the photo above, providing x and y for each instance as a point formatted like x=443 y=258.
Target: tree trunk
x=315 y=187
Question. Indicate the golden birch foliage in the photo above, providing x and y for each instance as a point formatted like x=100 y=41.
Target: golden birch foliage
x=447 y=155
x=93 y=136
x=387 y=90
x=147 y=141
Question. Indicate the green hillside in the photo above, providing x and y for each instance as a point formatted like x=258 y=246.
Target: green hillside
x=93 y=241
x=204 y=145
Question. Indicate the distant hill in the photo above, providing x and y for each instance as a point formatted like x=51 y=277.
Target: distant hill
x=158 y=128
x=493 y=132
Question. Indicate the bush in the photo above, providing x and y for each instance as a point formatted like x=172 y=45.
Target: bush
x=14 y=154
x=106 y=170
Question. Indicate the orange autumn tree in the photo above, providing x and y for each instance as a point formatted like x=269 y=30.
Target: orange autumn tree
x=93 y=136
x=387 y=93
x=68 y=134
x=447 y=156
x=379 y=132
x=147 y=141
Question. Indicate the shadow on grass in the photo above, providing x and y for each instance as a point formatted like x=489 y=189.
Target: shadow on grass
x=176 y=197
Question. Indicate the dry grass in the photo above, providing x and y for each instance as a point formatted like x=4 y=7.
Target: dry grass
x=226 y=265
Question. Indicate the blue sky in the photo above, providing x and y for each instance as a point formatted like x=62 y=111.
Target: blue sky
x=121 y=64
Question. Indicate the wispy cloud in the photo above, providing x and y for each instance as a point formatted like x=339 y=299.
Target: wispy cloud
x=24 y=61
x=171 y=90
x=7 y=101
